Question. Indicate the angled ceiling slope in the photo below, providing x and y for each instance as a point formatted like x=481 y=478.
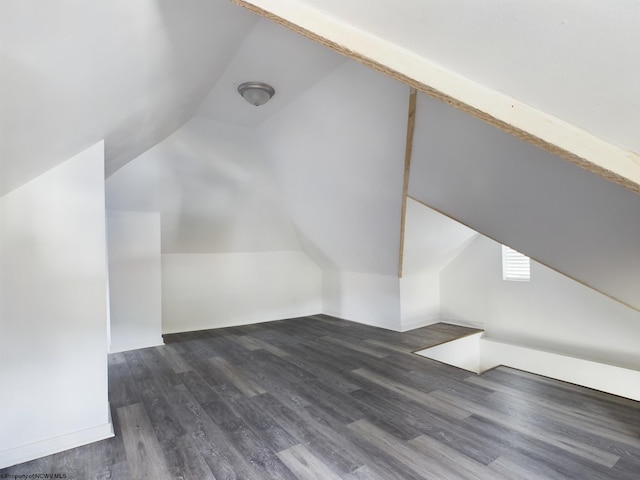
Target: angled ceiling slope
x=73 y=73
x=566 y=80
x=562 y=216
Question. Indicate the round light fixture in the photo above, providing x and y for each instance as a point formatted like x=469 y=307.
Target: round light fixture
x=256 y=93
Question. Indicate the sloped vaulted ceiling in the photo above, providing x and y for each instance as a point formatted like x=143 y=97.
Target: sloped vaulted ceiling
x=74 y=72
x=563 y=75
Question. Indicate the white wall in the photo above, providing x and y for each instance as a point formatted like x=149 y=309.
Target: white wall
x=431 y=240
x=132 y=72
x=544 y=207
x=338 y=155
x=53 y=321
x=135 y=288
x=420 y=299
x=462 y=352
x=576 y=61
x=362 y=297
x=213 y=188
x=551 y=312
x=202 y=291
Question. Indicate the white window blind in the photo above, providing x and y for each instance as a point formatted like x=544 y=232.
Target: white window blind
x=515 y=266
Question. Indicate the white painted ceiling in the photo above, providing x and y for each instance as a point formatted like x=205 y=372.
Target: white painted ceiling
x=555 y=212
x=338 y=155
x=75 y=72
x=576 y=60
x=431 y=240
x=213 y=189
x=270 y=53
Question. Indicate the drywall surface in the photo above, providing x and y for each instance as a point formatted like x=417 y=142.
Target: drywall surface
x=563 y=60
x=420 y=299
x=53 y=320
x=362 y=298
x=546 y=208
x=213 y=189
x=202 y=291
x=550 y=72
x=338 y=156
x=621 y=381
x=550 y=313
x=267 y=54
x=133 y=72
x=462 y=352
x=431 y=240
x=477 y=353
x=135 y=288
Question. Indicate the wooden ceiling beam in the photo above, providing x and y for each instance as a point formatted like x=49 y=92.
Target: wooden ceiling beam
x=515 y=118
x=411 y=123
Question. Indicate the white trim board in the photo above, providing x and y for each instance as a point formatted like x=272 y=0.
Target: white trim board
x=518 y=118
x=462 y=352
x=125 y=348
x=239 y=321
x=32 y=451
x=478 y=354
x=620 y=381
x=405 y=327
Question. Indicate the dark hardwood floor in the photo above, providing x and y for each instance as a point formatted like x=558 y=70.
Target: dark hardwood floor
x=320 y=398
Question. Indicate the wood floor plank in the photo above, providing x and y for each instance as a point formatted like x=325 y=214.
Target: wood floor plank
x=263 y=461
x=177 y=363
x=363 y=473
x=305 y=465
x=520 y=425
x=122 y=388
x=235 y=376
x=319 y=397
x=329 y=446
x=515 y=470
x=536 y=454
x=448 y=409
x=413 y=417
x=352 y=346
x=144 y=452
x=189 y=464
x=260 y=422
x=618 y=437
x=383 y=442
x=463 y=465
x=317 y=368
x=212 y=446
x=160 y=410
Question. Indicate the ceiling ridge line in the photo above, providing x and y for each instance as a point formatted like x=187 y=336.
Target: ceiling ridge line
x=631 y=160
x=411 y=123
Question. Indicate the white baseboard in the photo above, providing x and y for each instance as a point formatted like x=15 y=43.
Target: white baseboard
x=124 y=348
x=478 y=354
x=341 y=316
x=26 y=453
x=237 y=322
x=462 y=352
x=462 y=323
x=405 y=327
x=620 y=381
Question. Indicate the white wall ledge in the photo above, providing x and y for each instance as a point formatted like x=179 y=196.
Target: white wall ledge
x=477 y=353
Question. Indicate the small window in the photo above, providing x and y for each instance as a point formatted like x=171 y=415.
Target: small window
x=515 y=266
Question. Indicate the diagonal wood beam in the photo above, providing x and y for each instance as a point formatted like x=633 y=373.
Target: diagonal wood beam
x=507 y=114
x=411 y=123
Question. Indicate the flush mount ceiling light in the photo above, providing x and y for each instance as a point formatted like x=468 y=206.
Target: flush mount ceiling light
x=256 y=93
